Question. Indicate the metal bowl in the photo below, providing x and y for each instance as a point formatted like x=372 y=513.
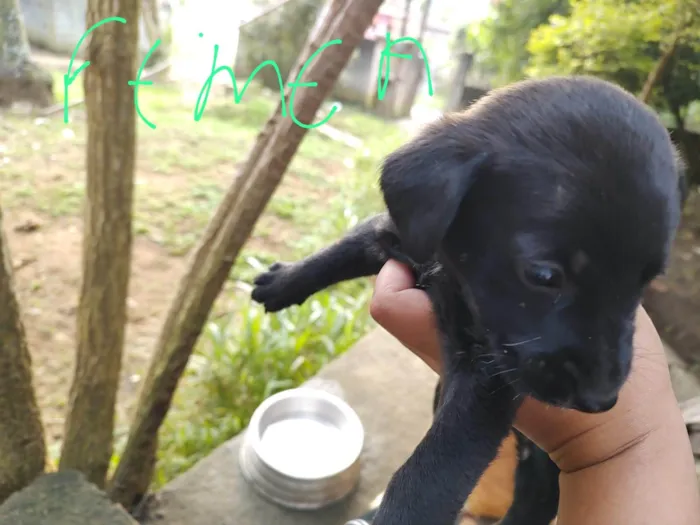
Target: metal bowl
x=302 y=449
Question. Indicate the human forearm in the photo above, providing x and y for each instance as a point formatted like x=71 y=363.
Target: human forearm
x=651 y=483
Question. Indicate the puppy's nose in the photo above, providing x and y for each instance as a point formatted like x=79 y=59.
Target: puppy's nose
x=594 y=388
x=594 y=405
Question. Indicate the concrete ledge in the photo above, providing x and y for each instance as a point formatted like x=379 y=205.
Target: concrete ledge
x=390 y=389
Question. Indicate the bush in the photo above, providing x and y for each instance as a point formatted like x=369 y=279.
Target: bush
x=249 y=355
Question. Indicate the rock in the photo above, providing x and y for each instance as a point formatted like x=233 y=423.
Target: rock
x=691 y=412
x=25 y=82
x=62 y=498
x=691 y=416
x=28 y=226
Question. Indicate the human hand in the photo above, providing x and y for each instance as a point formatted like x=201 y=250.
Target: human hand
x=573 y=439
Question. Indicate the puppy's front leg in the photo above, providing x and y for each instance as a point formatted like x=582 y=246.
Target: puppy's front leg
x=431 y=487
x=362 y=252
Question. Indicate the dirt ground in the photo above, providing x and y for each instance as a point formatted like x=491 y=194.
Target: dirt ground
x=182 y=170
x=46 y=254
x=674 y=300
x=46 y=257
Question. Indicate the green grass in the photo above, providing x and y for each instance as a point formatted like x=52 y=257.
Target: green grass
x=245 y=357
x=183 y=170
x=184 y=167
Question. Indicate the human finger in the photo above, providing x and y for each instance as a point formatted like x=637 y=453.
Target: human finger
x=406 y=312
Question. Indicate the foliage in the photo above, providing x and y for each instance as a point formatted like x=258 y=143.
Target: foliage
x=184 y=169
x=499 y=42
x=682 y=85
x=622 y=42
x=595 y=39
x=279 y=35
x=248 y=355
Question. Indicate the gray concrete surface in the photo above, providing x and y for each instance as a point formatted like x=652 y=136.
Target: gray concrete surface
x=57 y=25
x=390 y=389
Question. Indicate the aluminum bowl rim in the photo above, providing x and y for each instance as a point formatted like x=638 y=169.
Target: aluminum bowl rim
x=354 y=423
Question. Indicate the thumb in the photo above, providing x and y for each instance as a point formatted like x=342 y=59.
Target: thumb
x=406 y=312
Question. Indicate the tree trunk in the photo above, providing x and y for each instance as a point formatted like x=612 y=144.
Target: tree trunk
x=427 y=4
x=677 y=117
x=406 y=18
x=22 y=447
x=227 y=232
x=101 y=316
x=152 y=14
x=154 y=29
x=659 y=71
x=20 y=78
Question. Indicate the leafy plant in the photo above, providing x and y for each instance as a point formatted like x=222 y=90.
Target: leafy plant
x=622 y=42
x=247 y=356
x=499 y=42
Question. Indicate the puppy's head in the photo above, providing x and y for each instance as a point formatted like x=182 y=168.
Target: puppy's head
x=555 y=203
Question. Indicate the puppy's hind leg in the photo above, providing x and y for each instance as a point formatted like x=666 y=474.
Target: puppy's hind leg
x=362 y=252
x=536 y=497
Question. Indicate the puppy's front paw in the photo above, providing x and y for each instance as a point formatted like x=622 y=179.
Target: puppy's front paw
x=277 y=288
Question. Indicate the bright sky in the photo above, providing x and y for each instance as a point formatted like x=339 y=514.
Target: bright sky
x=456 y=13
x=477 y=9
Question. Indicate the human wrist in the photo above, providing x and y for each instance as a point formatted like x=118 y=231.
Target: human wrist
x=634 y=431
x=650 y=480
x=576 y=440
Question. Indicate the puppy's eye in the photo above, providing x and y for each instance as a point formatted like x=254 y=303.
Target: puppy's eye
x=543 y=275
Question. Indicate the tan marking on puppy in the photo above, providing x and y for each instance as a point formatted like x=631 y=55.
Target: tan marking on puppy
x=493 y=495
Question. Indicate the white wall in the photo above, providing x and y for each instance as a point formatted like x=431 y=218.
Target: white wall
x=57 y=25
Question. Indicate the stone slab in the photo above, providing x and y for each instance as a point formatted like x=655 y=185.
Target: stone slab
x=389 y=388
x=62 y=498
x=686 y=384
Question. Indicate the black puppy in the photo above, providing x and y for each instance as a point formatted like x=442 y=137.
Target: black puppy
x=533 y=220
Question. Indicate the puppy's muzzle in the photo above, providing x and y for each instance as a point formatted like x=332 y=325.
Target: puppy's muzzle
x=594 y=404
x=570 y=379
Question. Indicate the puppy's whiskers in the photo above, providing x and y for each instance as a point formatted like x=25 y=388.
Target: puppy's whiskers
x=482 y=359
x=506 y=371
x=526 y=341
x=505 y=385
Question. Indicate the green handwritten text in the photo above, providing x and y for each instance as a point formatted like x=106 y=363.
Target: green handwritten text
x=387 y=55
x=296 y=84
x=68 y=79
x=138 y=82
x=384 y=71
x=237 y=97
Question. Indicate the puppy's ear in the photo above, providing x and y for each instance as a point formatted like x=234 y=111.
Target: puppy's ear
x=424 y=183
